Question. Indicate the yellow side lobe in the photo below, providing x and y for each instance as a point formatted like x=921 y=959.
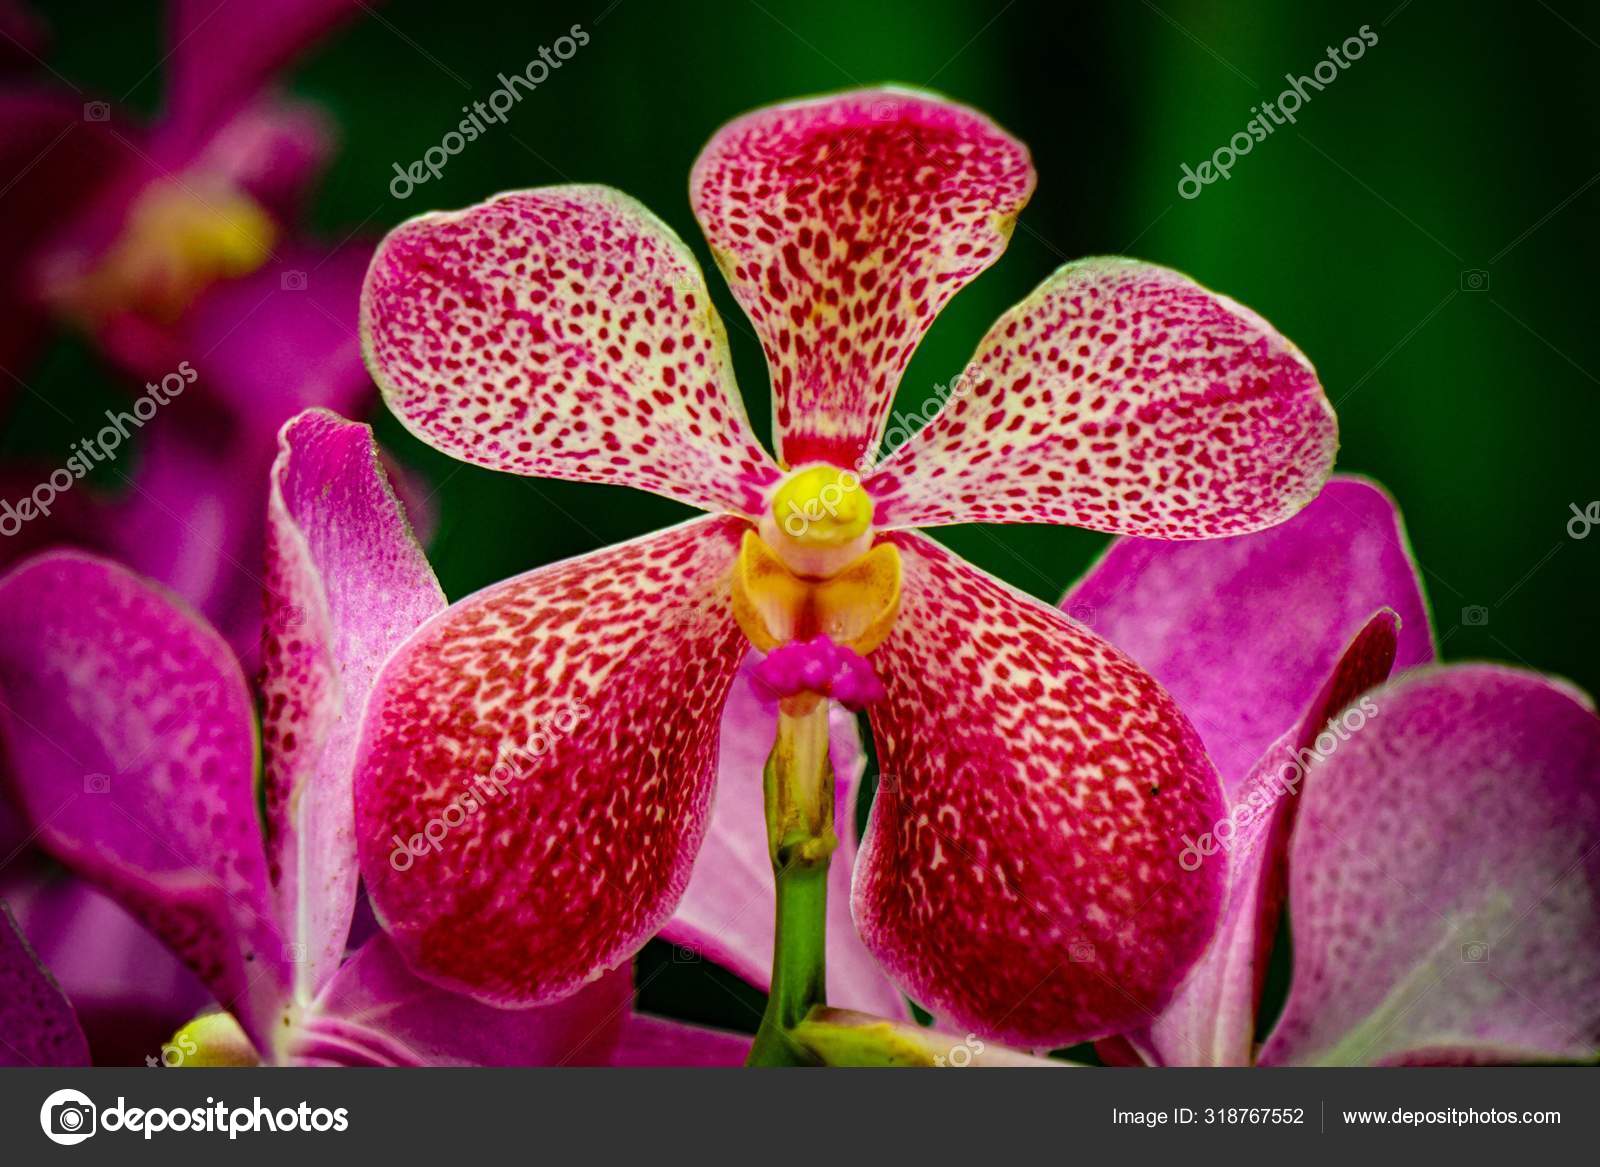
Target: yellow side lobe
x=856 y=607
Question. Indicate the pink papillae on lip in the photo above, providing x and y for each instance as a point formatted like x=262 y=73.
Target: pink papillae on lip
x=821 y=667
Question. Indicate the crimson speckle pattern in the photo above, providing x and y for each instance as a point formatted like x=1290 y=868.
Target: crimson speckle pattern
x=1020 y=874
x=621 y=660
x=844 y=225
x=1122 y=397
x=565 y=333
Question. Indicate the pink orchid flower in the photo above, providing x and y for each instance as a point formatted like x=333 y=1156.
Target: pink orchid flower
x=133 y=738
x=131 y=732
x=1021 y=882
x=1436 y=835
x=178 y=242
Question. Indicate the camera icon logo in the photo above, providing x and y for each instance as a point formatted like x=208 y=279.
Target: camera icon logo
x=96 y=111
x=293 y=281
x=1474 y=279
x=97 y=783
x=1474 y=952
x=67 y=1117
x=1474 y=616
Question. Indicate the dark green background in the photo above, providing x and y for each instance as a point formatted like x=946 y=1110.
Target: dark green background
x=1464 y=140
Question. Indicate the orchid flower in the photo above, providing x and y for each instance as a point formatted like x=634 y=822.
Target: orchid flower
x=105 y=675
x=177 y=242
x=132 y=736
x=1019 y=882
x=1436 y=835
x=95 y=655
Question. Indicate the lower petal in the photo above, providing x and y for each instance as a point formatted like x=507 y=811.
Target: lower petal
x=376 y=1011
x=656 y=1041
x=1211 y=1020
x=1445 y=877
x=1020 y=871
x=537 y=761
x=1243 y=631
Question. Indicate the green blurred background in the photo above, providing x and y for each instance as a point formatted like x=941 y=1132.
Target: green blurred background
x=1425 y=233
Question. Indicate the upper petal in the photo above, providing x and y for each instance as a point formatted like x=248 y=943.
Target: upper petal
x=1020 y=873
x=564 y=332
x=37 y=1025
x=844 y=224
x=1211 y=1020
x=1244 y=631
x=1445 y=879
x=1123 y=397
x=132 y=740
x=546 y=750
x=727 y=910
x=346 y=583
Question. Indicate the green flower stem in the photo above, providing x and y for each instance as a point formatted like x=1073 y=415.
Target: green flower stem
x=798 y=788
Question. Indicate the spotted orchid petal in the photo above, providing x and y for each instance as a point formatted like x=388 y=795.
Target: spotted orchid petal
x=537 y=761
x=1443 y=879
x=565 y=333
x=345 y=584
x=844 y=224
x=1211 y=1019
x=1244 y=631
x=37 y=1024
x=656 y=1041
x=132 y=739
x=1020 y=873
x=377 y=1012
x=726 y=912
x=1122 y=397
